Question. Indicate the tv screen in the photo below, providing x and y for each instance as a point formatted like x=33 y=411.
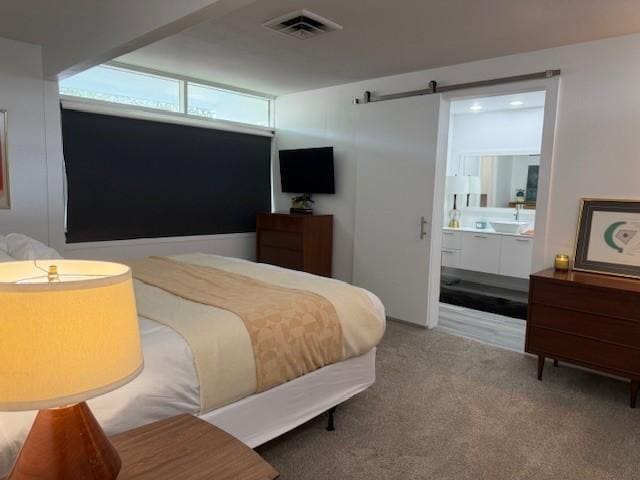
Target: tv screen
x=308 y=170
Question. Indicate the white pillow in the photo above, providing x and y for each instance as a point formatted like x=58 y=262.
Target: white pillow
x=21 y=247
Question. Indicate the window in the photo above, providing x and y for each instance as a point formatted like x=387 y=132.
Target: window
x=170 y=93
x=116 y=85
x=130 y=178
x=211 y=102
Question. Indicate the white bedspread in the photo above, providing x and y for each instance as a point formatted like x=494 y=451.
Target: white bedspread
x=167 y=386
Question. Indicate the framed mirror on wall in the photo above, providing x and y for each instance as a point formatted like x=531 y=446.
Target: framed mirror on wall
x=4 y=169
x=504 y=180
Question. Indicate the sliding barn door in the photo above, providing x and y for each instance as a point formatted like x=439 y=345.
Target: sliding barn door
x=394 y=199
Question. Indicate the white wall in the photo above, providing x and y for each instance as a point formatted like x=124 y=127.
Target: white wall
x=21 y=94
x=596 y=146
x=36 y=170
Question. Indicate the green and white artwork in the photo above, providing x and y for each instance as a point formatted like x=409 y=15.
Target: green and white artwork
x=615 y=238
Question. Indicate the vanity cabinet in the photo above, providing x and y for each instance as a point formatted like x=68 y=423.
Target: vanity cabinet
x=487 y=252
x=451 y=240
x=451 y=257
x=515 y=256
x=480 y=252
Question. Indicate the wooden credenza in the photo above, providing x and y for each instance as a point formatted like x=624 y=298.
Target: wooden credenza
x=299 y=242
x=586 y=319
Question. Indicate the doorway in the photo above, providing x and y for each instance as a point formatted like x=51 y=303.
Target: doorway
x=493 y=179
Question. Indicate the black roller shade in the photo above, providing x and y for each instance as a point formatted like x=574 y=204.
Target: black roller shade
x=129 y=178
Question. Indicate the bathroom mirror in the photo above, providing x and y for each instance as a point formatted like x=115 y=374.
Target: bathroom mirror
x=502 y=181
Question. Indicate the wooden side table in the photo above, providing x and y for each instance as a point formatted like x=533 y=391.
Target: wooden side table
x=187 y=447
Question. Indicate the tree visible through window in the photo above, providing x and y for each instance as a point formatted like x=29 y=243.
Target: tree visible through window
x=119 y=85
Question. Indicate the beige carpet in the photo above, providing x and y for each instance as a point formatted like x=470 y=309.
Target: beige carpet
x=449 y=408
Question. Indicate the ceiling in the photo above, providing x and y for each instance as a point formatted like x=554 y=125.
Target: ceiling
x=38 y=21
x=75 y=34
x=498 y=103
x=379 y=38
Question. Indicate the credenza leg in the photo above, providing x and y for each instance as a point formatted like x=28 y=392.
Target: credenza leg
x=541 y=360
x=555 y=363
x=633 y=388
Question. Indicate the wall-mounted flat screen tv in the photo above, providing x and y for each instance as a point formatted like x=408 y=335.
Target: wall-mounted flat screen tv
x=307 y=170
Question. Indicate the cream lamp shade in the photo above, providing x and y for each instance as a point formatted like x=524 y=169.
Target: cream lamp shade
x=67 y=337
x=457 y=185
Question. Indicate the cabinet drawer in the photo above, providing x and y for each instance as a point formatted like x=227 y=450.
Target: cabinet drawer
x=286 y=223
x=610 y=303
x=290 y=240
x=621 y=332
x=585 y=350
x=450 y=258
x=515 y=256
x=480 y=252
x=451 y=240
x=283 y=257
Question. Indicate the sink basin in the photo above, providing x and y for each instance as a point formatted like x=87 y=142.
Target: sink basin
x=507 y=226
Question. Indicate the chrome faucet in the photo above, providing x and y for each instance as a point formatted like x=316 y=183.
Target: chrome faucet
x=517 y=214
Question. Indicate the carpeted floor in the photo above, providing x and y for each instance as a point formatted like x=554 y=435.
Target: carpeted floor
x=448 y=408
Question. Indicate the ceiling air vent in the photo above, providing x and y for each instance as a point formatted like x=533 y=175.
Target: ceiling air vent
x=302 y=24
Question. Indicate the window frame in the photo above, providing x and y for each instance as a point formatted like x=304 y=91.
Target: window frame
x=182 y=115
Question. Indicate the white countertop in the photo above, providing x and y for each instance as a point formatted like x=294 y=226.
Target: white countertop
x=488 y=230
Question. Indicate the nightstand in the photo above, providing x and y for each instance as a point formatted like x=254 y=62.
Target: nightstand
x=185 y=447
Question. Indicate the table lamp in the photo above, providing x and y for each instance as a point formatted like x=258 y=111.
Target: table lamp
x=474 y=187
x=456 y=185
x=68 y=332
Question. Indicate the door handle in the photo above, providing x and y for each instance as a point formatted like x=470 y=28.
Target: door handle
x=423 y=232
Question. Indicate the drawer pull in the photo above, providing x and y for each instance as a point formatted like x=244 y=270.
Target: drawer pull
x=447 y=233
x=480 y=236
x=447 y=251
x=527 y=240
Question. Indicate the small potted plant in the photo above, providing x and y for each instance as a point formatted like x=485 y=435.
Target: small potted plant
x=302 y=204
x=520 y=195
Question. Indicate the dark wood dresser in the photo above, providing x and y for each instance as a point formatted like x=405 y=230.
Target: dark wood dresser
x=586 y=319
x=299 y=242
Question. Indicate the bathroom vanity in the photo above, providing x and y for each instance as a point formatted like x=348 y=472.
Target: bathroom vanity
x=487 y=251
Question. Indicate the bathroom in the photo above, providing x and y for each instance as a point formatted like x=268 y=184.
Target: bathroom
x=491 y=190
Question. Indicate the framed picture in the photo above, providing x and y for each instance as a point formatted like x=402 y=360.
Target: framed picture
x=4 y=169
x=609 y=237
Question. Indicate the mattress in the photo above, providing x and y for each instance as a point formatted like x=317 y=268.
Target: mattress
x=169 y=386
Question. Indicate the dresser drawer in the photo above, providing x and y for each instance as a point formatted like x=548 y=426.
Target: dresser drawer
x=283 y=223
x=290 y=240
x=612 y=303
x=583 y=350
x=283 y=257
x=621 y=332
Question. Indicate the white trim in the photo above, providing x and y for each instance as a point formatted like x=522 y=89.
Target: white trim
x=142 y=113
x=155 y=241
x=437 y=215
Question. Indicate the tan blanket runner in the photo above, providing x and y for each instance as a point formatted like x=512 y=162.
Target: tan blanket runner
x=292 y=332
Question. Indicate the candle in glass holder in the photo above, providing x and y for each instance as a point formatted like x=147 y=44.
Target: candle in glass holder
x=561 y=262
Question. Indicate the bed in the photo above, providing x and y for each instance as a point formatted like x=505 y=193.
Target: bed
x=171 y=380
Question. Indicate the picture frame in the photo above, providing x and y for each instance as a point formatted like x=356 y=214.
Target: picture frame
x=608 y=237
x=5 y=201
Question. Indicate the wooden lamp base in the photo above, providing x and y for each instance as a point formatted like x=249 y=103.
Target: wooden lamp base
x=66 y=443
